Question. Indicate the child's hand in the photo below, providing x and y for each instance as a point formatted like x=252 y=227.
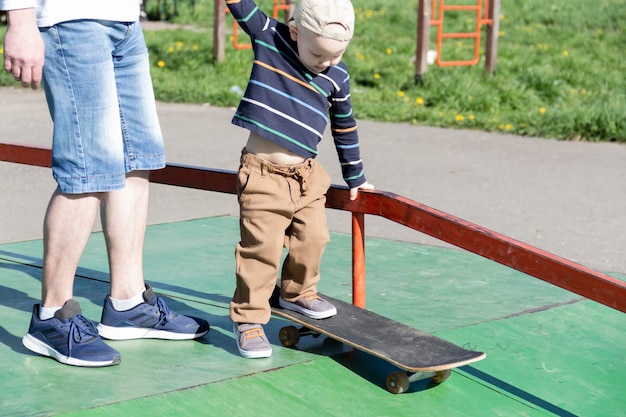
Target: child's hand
x=364 y=186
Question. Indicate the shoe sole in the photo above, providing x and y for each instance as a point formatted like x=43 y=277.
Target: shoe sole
x=250 y=354
x=37 y=346
x=305 y=311
x=129 y=333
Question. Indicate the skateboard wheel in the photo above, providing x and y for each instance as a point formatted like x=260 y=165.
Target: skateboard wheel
x=289 y=336
x=397 y=382
x=441 y=376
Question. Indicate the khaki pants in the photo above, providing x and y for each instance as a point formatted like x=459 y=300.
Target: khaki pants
x=280 y=206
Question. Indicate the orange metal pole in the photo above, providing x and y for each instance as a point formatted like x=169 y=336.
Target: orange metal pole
x=439 y=24
x=279 y=5
x=478 y=28
x=283 y=5
x=236 y=44
x=358 y=259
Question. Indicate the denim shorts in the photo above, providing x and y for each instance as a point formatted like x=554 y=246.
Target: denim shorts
x=99 y=92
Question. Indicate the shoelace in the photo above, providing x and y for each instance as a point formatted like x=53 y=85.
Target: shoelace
x=81 y=330
x=164 y=311
x=310 y=299
x=252 y=333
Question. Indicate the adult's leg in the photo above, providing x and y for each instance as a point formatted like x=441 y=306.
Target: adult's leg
x=68 y=223
x=124 y=211
x=86 y=147
x=124 y=215
x=66 y=336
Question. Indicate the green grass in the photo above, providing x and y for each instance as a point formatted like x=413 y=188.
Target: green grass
x=560 y=68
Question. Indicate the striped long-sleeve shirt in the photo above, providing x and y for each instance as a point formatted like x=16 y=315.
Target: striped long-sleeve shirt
x=289 y=105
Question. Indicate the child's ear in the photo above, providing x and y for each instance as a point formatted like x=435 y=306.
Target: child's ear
x=293 y=31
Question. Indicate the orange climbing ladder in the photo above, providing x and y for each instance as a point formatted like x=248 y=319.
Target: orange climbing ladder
x=279 y=5
x=433 y=12
x=439 y=8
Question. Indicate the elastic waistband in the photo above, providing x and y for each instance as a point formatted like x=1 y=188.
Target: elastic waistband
x=254 y=161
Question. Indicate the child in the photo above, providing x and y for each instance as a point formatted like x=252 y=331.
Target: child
x=297 y=85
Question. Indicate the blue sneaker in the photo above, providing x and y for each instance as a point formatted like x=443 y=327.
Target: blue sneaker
x=69 y=338
x=151 y=319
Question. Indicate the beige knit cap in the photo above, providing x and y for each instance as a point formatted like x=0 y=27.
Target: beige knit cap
x=332 y=19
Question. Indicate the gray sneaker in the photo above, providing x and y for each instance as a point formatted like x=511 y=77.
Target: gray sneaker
x=251 y=341
x=310 y=305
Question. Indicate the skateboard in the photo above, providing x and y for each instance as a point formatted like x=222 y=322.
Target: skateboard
x=418 y=354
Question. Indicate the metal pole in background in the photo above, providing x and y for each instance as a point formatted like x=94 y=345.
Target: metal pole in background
x=423 y=38
x=219 y=22
x=491 y=48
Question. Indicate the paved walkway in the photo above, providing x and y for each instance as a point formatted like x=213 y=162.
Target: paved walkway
x=568 y=198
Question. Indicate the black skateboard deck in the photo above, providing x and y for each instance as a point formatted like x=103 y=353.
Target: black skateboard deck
x=418 y=353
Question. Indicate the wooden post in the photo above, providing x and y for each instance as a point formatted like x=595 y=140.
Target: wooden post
x=423 y=38
x=292 y=6
x=219 y=31
x=491 y=49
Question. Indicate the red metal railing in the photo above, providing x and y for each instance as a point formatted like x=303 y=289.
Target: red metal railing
x=471 y=237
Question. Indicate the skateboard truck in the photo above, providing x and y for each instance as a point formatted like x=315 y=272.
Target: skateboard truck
x=398 y=382
x=289 y=336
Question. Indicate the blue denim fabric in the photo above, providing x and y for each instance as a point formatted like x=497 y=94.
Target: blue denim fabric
x=99 y=92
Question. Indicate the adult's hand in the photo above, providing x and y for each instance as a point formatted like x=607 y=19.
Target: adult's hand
x=23 y=48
